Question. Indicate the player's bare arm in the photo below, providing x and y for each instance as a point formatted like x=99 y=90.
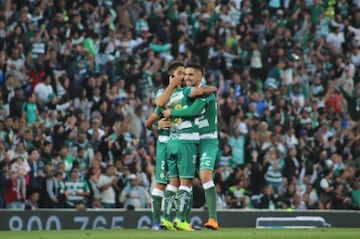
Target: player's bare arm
x=202 y=91
x=164 y=123
x=190 y=111
x=151 y=120
x=161 y=100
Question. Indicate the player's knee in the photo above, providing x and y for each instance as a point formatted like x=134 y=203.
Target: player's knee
x=186 y=182
x=206 y=177
x=174 y=182
x=160 y=186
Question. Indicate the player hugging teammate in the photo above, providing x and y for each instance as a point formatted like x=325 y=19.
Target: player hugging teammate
x=186 y=117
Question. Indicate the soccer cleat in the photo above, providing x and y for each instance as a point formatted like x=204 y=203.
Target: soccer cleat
x=167 y=225
x=182 y=226
x=211 y=224
x=156 y=226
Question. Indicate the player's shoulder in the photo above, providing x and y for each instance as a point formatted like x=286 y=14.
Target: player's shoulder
x=210 y=97
x=185 y=90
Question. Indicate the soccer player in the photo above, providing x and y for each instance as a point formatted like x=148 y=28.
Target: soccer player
x=206 y=110
x=181 y=149
x=162 y=134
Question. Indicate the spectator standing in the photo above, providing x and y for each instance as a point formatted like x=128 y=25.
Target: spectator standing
x=82 y=102
x=137 y=128
x=135 y=195
x=76 y=191
x=298 y=202
x=21 y=168
x=311 y=197
x=257 y=170
x=36 y=173
x=223 y=167
x=4 y=181
x=267 y=199
x=203 y=41
x=353 y=103
x=43 y=90
x=29 y=109
x=236 y=195
x=335 y=39
x=16 y=102
x=32 y=202
x=355 y=195
x=95 y=194
x=332 y=100
x=339 y=200
x=55 y=189
x=20 y=151
x=96 y=127
x=326 y=190
x=291 y=164
x=15 y=63
x=107 y=184
x=237 y=143
x=274 y=166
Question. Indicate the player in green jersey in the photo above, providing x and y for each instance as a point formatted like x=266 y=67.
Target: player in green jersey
x=181 y=149
x=162 y=135
x=205 y=110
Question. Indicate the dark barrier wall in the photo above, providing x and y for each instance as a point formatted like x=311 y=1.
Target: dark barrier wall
x=102 y=219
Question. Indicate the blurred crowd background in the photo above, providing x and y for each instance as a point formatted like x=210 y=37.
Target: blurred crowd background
x=78 y=78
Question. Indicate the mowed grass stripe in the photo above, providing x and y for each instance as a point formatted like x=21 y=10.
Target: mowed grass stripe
x=223 y=233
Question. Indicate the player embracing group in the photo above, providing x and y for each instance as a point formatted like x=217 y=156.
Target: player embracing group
x=185 y=124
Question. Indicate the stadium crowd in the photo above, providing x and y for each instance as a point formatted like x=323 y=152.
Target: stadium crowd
x=78 y=78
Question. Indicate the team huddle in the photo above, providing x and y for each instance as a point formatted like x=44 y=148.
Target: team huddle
x=187 y=141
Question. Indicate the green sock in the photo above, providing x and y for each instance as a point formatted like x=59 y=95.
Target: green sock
x=188 y=210
x=210 y=196
x=169 y=198
x=156 y=207
x=183 y=204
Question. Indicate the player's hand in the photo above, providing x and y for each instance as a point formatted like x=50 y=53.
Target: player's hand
x=174 y=81
x=213 y=89
x=164 y=123
x=166 y=113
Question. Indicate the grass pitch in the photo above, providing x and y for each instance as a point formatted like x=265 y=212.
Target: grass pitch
x=223 y=233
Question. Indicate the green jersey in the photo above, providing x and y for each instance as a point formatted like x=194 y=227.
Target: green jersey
x=184 y=129
x=206 y=111
x=207 y=121
x=72 y=187
x=163 y=133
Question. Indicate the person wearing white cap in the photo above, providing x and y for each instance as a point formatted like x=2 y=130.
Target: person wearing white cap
x=96 y=123
x=135 y=195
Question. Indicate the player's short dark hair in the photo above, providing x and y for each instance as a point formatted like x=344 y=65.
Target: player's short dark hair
x=196 y=66
x=172 y=67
